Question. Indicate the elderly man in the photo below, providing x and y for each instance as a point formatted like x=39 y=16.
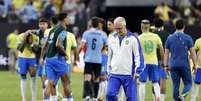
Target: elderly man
x=124 y=60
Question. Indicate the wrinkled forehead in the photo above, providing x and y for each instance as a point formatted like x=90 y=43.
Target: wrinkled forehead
x=118 y=25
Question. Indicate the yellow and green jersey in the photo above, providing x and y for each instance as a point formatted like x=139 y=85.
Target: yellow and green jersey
x=198 y=49
x=149 y=43
x=12 y=39
x=27 y=52
x=71 y=43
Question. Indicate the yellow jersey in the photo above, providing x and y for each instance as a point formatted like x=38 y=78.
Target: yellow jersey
x=12 y=39
x=149 y=43
x=71 y=43
x=18 y=3
x=198 y=49
x=164 y=12
x=27 y=53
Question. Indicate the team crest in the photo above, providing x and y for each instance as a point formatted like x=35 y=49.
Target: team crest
x=127 y=42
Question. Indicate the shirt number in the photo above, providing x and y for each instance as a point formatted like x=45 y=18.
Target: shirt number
x=93 y=46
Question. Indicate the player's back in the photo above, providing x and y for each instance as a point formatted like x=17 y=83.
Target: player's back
x=149 y=42
x=95 y=40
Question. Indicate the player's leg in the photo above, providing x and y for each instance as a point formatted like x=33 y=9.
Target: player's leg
x=187 y=80
x=163 y=78
x=102 y=86
x=96 y=81
x=87 y=89
x=23 y=68
x=114 y=83
x=51 y=77
x=130 y=88
x=197 y=81
x=32 y=72
x=176 y=82
x=40 y=70
x=61 y=68
x=154 y=77
x=143 y=79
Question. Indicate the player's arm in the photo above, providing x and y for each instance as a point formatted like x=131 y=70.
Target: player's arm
x=74 y=49
x=193 y=57
x=83 y=43
x=161 y=49
x=21 y=42
x=35 y=45
x=59 y=43
x=138 y=56
x=110 y=53
x=166 y=58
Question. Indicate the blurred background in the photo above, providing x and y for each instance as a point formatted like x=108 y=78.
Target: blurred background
x=17 y=16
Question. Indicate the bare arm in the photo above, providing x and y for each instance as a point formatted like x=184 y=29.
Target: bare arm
x=82 y=45
x=160 y=46
x=166 y=57
x=60 y=47
x=193 y=57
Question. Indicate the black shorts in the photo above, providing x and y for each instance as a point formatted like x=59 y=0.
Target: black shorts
x=93 y=69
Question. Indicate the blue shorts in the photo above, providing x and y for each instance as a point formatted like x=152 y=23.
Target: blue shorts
x=41 y=71
x=162 y=73
x=152 y=71
x=25 y=63
x=197 y=79
x=55 y=68
x=129 y=84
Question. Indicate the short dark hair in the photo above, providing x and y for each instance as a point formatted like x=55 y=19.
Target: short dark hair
x=54 y=20
x=111 y=20
x=62 y=16
x=43 y=20
x=95 y=21
x=180 y=24
x=145 y=21
x=158 y=23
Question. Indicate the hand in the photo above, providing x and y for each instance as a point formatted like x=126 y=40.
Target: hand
x=136 y=76
x=194 y=69
x=41 y=61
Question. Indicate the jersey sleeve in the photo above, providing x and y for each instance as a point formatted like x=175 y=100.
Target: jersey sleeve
x=190 y=43
x=196 y=45
x=74 y=43
x=105 y=38
x=159 y=42
x=62 y=35
x=138 y=56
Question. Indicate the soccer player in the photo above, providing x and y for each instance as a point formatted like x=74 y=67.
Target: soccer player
x=94 y=39
x=159 y=30
x=149 y=43
x=197 y=79
x=27 y=46
x=56 y=56
x=178 y=44
x=125 y=59
x=11 y=43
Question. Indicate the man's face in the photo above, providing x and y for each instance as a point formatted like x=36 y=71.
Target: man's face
x=67 y=21
x=110 y=26
x=120 y=28
x=43 y=25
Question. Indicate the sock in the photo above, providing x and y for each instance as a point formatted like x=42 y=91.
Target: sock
x=95 y=99
x=121 y=94
x=87 y=98
x=195 y=91
x=87 y=88
x=101 y=89
x=23 y=89
x=53 y=98
x=70 y=98
x=142 y=91
x=46 y=98
x=162 y=97
x=157 y=91
x=96 y=88
x=33 y=88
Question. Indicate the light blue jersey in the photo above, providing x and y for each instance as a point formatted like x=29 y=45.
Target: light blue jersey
x=95 y=40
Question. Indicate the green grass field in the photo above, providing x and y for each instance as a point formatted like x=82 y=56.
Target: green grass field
x=10 y=88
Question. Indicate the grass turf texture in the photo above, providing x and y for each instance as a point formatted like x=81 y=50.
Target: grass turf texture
x=10 y=88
